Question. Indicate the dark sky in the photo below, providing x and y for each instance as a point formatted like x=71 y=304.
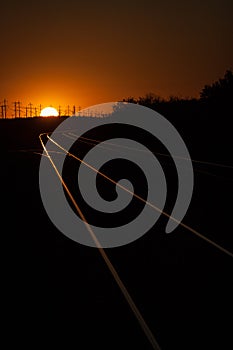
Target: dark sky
x=85 y=52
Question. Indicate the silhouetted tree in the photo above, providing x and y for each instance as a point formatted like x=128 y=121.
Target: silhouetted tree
x=129 y=100
x=149 y=100
x=221 y=90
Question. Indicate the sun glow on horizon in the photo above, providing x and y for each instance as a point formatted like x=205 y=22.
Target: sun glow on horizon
x=49 y=112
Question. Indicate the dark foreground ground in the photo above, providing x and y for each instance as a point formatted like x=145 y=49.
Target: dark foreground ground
x=57 y=292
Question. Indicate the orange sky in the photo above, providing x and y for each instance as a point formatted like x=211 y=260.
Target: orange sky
x=88 y=52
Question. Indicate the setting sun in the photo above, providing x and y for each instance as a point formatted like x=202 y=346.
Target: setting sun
x=49 y=112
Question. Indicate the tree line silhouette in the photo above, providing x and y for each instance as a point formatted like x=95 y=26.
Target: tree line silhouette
x=213 y=99
x=204 y=122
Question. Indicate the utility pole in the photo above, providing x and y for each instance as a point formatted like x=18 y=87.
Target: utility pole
x=26 y=111
x=79 y=109
x=18 y=108
x=35 y=112
x=15 y=109
x=40 y=109
x=74 y=110
x=5 y=107
x=2 y=111
x=30 y=109
x=59 y=111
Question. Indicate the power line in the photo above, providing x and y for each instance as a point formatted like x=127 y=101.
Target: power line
x=18 y=110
